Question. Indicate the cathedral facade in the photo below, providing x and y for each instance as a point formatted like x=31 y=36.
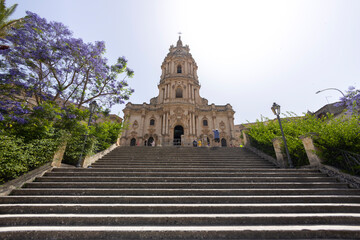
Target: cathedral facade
x=178 y=115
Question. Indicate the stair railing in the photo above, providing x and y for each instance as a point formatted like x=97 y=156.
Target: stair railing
x=352 y=160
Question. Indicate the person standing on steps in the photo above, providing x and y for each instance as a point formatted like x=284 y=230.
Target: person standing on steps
x=216 y=137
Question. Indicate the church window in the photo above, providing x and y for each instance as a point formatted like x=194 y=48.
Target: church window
x=178 y=93
x=179 y=69
x=205 y=122
x=152 y=122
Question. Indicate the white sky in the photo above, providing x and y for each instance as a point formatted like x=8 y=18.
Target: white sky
x=249 y=53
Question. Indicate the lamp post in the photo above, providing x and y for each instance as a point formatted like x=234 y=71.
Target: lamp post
x=92 y=107
x=276 y=110
x=330 y=89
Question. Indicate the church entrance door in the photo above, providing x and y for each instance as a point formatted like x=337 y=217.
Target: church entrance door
x=178 y=131
x=223 y=142
x=150 y=141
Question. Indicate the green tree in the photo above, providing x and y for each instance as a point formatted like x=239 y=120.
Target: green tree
x=5 y=23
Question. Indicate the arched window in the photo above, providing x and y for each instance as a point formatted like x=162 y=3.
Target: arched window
x=178 y=93
x=205 y=122
x=152 y=122
x=179 y=69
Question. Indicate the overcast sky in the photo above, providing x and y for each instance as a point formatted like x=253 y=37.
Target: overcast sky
x=249 y=53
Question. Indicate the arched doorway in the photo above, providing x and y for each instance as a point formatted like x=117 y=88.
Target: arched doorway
x=150 y=141
x=133 y=142
x=178 y=131
x=223 y=142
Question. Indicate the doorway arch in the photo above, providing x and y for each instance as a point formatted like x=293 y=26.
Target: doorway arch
x=150 y=141
x=223 y=142
x=178 y=131
x=133 y=142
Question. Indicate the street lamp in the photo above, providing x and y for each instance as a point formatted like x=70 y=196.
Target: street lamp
x=92 y=107
x=330 y=89
x=276 y=110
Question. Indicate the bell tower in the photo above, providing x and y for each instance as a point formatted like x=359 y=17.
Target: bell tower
x=179 y=81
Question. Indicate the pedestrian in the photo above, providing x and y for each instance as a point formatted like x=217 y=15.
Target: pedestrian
x=194 y=143
x=199 y=143
x=216 y=137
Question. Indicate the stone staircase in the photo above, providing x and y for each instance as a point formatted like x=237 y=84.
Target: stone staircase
x=181 y=193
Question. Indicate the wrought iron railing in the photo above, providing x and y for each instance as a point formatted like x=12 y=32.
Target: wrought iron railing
x=342 y=159
x=351 y=161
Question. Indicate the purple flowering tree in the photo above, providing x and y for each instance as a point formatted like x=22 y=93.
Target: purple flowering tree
x=352 y=100
x=45 y=62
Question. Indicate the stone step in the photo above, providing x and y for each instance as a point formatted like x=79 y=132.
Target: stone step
x=180 y=208
x=272 y=172
x=249 y=166
x=306 y=231
x=119 y=173
x=192 y=158
x=182 y=199
x=185 y=192
x=178 y=219
x=216 y=164
x=182 y=162
x=181 y=193
x=184 y=179
x=174 y=185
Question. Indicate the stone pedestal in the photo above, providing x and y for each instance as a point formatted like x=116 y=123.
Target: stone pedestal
x=246 y=139
x=280 y=158
x=122 y=141
x=310 y=149
x=59 y=154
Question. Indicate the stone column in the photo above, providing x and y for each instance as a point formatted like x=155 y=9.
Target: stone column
x=279 y=154
x=193 y=124
x=166 y=123
x=213 y=121
x=310 y=149
x=162 y=124
x=197 y=129
x=230 y=119
x=191 y=92
x=190 y=125
x=166 y=91
x=142 y=130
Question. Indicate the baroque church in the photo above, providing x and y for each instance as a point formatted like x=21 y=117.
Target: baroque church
x=178 y=115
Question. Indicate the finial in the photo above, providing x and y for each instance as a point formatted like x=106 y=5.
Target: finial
x=179 y=43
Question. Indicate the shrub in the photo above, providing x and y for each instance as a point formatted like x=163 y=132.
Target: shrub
x=335 y=135
x=106 y=134
x=18 y=157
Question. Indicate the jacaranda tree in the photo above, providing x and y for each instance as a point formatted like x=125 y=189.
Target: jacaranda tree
x=45 y=62
x=352 y=100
